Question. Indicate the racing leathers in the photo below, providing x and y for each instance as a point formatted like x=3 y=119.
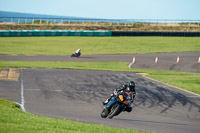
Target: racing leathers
x=130 y=95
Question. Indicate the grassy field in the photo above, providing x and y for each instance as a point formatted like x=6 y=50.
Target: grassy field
x=14 y=120
x=187 y=81
x=96 y=45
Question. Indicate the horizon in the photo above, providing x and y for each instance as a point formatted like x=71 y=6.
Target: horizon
x=59 y=16
x=112 y=9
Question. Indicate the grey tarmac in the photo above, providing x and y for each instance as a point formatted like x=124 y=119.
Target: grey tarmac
x=78 y=95
x=166 y=61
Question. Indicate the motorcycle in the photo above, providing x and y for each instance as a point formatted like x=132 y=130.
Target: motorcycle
x=76 y=55
x=118 y=104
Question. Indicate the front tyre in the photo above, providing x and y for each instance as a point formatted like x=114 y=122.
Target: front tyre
x=104 y=113
x=115 y=110
x=72 y=55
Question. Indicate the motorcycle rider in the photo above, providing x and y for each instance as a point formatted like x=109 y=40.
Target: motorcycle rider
x=129 y=89
x=77 y=52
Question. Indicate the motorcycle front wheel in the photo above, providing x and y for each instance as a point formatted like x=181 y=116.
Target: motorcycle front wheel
x=115 y=110
x=72 y=55
x=104 y=113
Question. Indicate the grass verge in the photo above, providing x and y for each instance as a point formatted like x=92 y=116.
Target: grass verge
x=187 y=81
x=96 y=45
x=14 y=120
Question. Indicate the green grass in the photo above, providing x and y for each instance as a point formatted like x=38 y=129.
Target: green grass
x=96 y=45
x=14 y=120
x=187 y=81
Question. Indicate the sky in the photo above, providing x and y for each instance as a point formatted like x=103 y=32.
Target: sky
x=108 y=9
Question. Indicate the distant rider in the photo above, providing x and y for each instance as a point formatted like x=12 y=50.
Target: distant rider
x=78 y=52
x=129 y=89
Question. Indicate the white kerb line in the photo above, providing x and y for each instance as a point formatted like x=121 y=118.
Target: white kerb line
x=195 y=95
x=129 y=66
x=22 y=92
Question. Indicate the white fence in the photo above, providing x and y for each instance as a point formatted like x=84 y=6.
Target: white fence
x=126 y=22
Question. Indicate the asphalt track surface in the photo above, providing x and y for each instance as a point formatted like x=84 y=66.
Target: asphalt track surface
x=166 y=61
x=78 y=95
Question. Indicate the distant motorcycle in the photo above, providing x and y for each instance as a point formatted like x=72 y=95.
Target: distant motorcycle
x=119 y=104
x=76 y=55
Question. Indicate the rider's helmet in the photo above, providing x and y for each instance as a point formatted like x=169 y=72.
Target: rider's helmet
x=131 y=86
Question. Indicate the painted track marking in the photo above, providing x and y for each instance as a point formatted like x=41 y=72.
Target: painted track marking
x=22 y=91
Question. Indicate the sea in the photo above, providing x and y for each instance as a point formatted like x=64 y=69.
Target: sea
x=17 y=17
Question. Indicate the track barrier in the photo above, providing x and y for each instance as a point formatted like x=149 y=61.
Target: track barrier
x=143 y=33
x=28 y=33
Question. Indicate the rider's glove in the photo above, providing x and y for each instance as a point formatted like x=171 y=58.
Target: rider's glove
x=115 y=92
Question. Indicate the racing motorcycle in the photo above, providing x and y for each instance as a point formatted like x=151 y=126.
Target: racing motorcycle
x=118 y=104
x=75 y=55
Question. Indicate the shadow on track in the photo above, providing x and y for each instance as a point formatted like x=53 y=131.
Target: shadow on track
x=153 y=95
x=94 y=87
x=148 y=94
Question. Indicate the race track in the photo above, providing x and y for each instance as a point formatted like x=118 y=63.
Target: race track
x=78 y=95
x=166 y=61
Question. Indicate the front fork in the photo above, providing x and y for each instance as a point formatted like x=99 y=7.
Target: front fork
x=111 y=102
